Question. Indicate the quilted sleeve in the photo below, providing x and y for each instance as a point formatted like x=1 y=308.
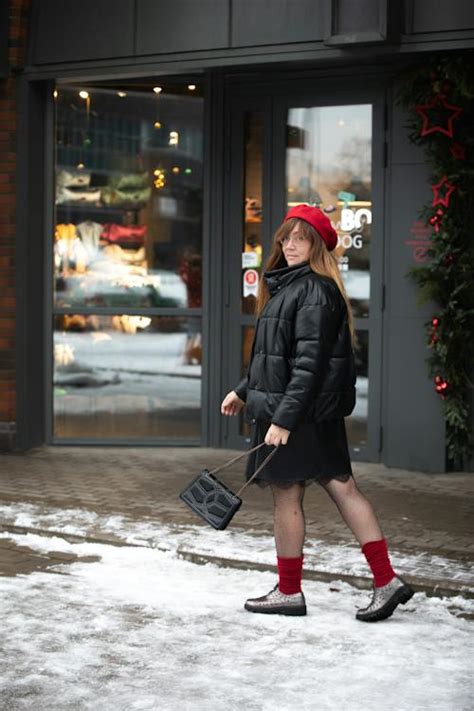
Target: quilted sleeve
x=241 y=389
x=315 y=331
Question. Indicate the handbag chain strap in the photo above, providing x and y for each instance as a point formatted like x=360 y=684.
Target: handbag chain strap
x=245 y=454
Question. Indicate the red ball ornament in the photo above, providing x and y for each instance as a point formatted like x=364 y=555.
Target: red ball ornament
x=441 y=385
x=440 y=114
x=435 y=322
x=442 y=192
x=435 y=220
x=458 y=151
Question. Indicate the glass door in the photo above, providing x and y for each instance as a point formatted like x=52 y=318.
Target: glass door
x=328 y=154
x=329 y=165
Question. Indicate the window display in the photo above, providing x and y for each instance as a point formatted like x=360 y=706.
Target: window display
x=128 y=234
x=129 y=175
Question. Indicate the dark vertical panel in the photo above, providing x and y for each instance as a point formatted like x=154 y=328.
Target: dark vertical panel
x=413 y=413
x=428 y=16
x=68 y=30
x=415 y=435
x=181 y=25
x=30 y=338
x=276 y=22
x=401 y=149
x=4 y=23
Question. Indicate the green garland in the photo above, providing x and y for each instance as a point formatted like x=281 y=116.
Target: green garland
x=433 y=94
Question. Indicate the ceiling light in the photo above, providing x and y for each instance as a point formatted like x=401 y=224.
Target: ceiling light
x=84 y=94
x=80 y=166
x=55 y=93
x=157 y=124
x=122 y=94
x=157 y=89
x=191 y=87
x=175 y=169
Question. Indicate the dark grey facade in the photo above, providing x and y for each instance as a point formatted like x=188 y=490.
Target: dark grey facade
x=263 y=56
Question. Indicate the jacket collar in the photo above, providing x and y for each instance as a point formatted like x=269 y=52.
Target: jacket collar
x=278 y=278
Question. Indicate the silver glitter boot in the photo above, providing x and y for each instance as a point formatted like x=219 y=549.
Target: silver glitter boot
x=385 y=600
x=277 y=603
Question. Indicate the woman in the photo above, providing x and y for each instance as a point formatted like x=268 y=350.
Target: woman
x=299 y=387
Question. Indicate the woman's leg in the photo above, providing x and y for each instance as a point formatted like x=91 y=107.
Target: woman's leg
x=355 y=509
x=289 y=525
x=359 y=515
x=289 y=521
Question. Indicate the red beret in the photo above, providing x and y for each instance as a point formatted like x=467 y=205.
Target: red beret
x=317 y=219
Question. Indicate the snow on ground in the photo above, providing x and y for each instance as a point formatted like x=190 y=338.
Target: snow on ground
x=233 y=543
x=141 y=629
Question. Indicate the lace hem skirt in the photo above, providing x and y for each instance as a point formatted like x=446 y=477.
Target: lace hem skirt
x=316 y=451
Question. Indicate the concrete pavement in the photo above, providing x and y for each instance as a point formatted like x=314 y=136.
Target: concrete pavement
x=420 y=513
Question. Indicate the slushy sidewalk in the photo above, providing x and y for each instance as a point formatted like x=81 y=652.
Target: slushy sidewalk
x=427 y=518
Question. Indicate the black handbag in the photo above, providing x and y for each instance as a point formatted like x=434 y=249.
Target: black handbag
x=212 y=500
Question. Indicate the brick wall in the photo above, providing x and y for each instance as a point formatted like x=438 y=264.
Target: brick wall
x=18 y=25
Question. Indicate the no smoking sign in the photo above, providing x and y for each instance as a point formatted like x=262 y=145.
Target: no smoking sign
x=250 y=282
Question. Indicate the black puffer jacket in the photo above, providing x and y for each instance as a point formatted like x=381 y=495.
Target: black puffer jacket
x=302 y=364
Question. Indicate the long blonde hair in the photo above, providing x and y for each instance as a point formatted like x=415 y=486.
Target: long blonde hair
x=321 y=261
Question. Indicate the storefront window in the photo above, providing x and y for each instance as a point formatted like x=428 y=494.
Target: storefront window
x=128 y=197
x=128 y=235
x=329 y=164
x=126 y=376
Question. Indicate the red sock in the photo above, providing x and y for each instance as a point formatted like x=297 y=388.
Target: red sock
x=376 y=553
x=289 y=571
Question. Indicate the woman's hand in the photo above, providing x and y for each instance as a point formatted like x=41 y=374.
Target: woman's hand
x=276 y=435
x=231 y=404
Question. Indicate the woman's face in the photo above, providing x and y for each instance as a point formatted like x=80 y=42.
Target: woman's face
x=296 y=247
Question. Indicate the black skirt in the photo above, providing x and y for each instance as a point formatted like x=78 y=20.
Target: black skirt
x=315 y=451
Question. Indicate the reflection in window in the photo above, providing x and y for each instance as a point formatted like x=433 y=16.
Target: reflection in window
x=128 y=196
x=127 y=376
x=329 y=164
x=252 y=211
x=357 y=422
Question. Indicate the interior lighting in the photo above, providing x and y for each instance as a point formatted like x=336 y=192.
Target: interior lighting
x=341 y=122
x=159 y=180
x=191 y=87
x=122 y=94
x=175 y=169
x=55 y=93
x=157 y=124
x=188 y=171
x=84 y=94
x=174 y=138
x=80 y=166
x=157 y=89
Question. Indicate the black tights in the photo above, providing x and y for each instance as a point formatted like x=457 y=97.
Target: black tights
x=289 y=520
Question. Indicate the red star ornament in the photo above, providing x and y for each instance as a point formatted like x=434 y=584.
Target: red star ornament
x=445 y=115
x=442 y=192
